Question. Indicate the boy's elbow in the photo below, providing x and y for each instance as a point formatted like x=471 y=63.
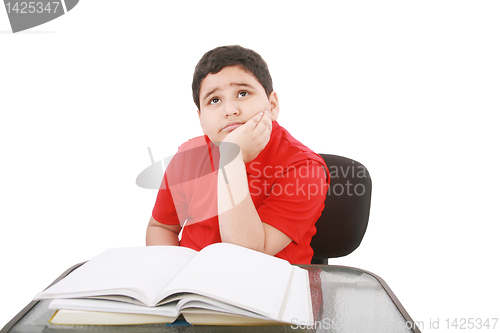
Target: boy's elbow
x=275 y=240
x=162 y=234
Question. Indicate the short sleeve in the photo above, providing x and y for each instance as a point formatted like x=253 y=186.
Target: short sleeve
x=186 y=176
x=164 y=210
x=296 y=200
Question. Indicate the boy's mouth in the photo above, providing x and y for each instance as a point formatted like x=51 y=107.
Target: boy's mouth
x=231 y=126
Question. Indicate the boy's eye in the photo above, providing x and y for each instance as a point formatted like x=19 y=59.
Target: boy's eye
x=214 y=100
x=242 y=94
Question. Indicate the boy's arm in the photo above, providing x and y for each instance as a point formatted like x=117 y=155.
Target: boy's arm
x=239 y=222
x=162 y=234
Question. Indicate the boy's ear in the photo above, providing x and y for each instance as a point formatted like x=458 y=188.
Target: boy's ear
x=275 y=106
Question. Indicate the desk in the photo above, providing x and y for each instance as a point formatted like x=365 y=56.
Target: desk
x=344 y=300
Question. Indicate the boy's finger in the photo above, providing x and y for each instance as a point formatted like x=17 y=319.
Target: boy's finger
x=266 y=119
x=257 y=118
x=265 y=123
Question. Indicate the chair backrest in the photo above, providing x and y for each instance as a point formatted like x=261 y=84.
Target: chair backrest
x=343 y=222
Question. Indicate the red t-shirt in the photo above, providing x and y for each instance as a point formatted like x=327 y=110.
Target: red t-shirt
x=287 y=181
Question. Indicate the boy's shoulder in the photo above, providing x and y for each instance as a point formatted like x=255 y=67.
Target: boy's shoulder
x=287 y=141
x=196 y=142
x=288 y=147
x=192 y=156
x=283 y=151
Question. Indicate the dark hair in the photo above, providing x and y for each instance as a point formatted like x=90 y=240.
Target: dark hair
x=215 y=60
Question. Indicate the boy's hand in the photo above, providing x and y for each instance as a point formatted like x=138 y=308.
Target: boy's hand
x=253 y=136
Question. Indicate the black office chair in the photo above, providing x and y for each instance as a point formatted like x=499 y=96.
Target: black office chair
x=343 y=222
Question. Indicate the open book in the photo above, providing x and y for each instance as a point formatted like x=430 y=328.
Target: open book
x=221 y=284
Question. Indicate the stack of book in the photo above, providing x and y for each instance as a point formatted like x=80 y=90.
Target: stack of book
x=223 y=284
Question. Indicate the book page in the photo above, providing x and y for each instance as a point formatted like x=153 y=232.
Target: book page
x=138 y=272
x=298 y=305
x=75 y=317
x=297 y=309
x=238 y=276
x=213 y=318
x=169 y=310
x=198 y=303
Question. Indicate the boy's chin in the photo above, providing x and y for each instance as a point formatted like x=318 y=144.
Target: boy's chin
x=218 y=139
x=217 y=142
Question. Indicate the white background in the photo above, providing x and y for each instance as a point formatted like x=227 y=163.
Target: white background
x=410 y=89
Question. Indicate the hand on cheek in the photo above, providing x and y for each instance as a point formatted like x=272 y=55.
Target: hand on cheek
x=253 y=136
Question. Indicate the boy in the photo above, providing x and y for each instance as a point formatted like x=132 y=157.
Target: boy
x=266 y=195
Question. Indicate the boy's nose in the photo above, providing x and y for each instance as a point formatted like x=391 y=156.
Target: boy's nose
x=231 y=109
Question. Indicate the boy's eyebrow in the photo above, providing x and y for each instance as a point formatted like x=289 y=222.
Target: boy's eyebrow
x=231 y=84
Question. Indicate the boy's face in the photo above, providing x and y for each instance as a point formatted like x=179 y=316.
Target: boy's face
x=229 y=99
